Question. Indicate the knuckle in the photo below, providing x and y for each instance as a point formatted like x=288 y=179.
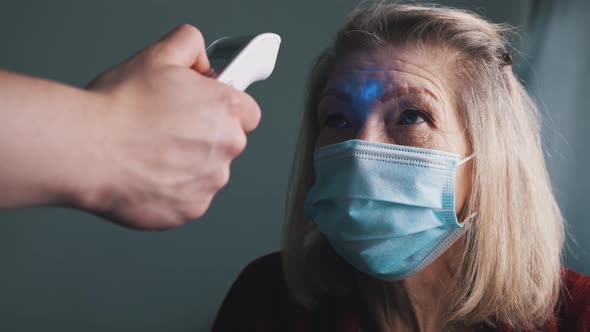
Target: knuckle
x=250 y=103
x=221 y=178
x=252 y=112
x=194 y=34
x=195 y=211
x=256 y=114
x=232 y=101
x=237 y=144
x=166 y=51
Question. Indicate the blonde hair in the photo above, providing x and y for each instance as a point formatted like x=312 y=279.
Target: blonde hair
x=509 y=269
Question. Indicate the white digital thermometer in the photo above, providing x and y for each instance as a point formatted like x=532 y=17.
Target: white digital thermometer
x=242 y=60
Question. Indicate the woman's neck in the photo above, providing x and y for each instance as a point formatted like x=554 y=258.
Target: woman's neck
x=417 y=303
x=426 y=295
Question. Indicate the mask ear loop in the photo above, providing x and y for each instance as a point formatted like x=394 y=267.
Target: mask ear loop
x=466 y=159
x=471 y=216
x=468 y=218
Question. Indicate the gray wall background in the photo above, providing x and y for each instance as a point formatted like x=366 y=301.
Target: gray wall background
x=64 y=270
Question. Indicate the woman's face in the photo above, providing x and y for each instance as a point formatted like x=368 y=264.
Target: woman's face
x=399 y=96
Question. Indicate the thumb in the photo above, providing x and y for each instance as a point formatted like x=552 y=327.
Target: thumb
x=183 y=46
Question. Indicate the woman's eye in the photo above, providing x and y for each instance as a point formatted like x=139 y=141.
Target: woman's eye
x=411 y=117
x=337 y=121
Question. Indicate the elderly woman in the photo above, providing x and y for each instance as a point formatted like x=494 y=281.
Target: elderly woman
x=420 y=199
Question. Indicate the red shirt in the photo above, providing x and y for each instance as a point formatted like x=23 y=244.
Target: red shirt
x=259 y=301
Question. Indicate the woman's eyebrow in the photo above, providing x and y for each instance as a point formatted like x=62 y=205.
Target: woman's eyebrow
x=407 y=90
x=386 y=96
x=336 y=93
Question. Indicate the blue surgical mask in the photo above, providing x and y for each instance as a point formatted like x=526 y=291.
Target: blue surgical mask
x=388 y=210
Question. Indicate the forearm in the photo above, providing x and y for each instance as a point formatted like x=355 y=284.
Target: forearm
x=44 y=128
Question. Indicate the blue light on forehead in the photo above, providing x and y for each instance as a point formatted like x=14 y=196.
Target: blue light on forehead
x=364 y=94
x=370 y=92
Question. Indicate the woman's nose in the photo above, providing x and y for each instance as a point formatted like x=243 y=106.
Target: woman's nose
x=372 y=130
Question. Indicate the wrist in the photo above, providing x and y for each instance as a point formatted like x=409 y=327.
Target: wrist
x=90 y=186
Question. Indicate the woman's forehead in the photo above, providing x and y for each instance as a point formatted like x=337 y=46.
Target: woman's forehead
x=389 y=71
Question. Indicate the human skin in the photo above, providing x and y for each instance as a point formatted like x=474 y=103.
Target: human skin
x=146 y=145
x=402 y=96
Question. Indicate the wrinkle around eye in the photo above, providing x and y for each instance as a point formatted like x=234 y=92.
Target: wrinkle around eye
x=430 y=110
x=407 y=118
x=333 y=107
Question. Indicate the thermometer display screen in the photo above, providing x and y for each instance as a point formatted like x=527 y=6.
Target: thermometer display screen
x=225 y=51
x=221 y=55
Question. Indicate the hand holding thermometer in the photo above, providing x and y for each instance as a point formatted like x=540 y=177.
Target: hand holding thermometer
x=242 y=60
